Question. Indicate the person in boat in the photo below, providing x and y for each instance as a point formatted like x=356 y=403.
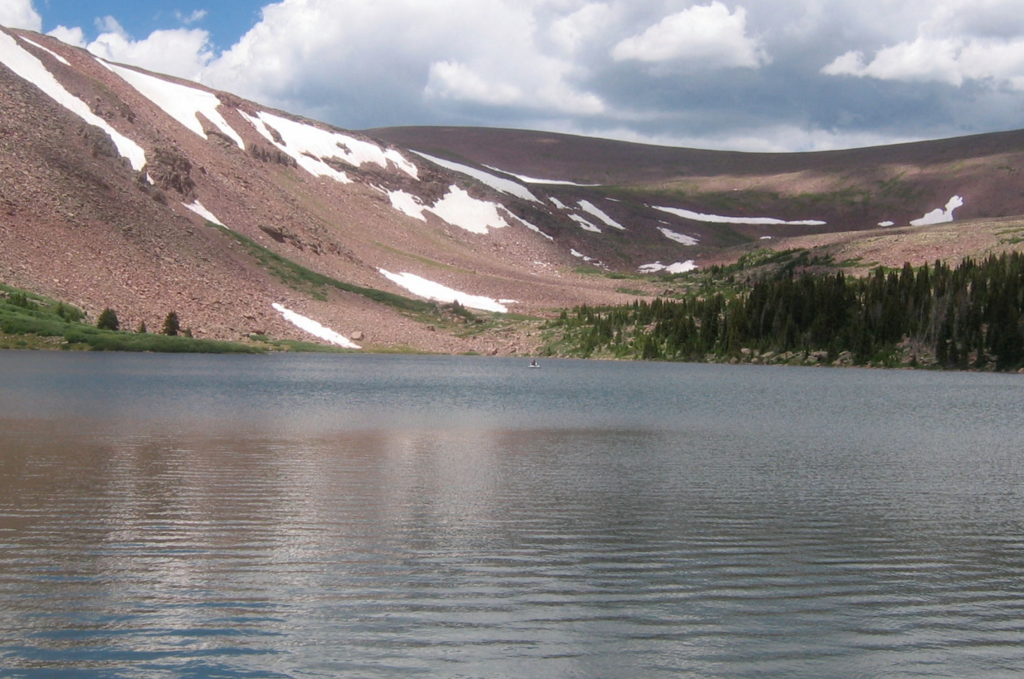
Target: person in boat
x=533 y=364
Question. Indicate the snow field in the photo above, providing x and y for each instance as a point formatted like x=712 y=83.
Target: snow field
x=314 y=328
x=719 y=219
x=595 y=211
x=500 y=184
x=301 y=141
x=678 y=267
x=440 y=293
x=677 y=237
x=27 y=66
x=198 y=208
x=178 y=101
x=940 y=215
x=457 y=208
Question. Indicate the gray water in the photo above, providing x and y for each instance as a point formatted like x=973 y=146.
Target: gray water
x=373 y=516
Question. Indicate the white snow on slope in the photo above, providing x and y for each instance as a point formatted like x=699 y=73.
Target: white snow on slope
x=301 y=141
x=314 y=328
x=559 y=204
x=940 y=215
x=198 y=208
x=719 y=219
x=407 y=203
x=580 y=255
x=677 y=237
x=533 y=180
x=178 y=101
x=887 y=223
x=584 y=224
x=678 y=267
x=440 y=293
x=592 y=209
x=528 y=225
x=497 y=183
x=51 y=52
x=27 y=66
x=458 y=208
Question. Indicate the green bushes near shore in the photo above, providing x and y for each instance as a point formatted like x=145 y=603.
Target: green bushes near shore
x=34 y=321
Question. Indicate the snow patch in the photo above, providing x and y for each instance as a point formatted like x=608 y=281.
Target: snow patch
x=719 y=219
x=458 y=208
x=580 y=255
x=181 y=102
x=27 y=66
x=559 y=204
x=533 y=180
x=584 y=224
x=198 y=208
x=528 y=225
x=314 y=328
x=45 y=49
x=592 y=209
x=678 y=237
x=310 y=146
x=440 y=293
x=940 y=215
x=497 y=183
x=678 y=267
x=887 y=223
x=407 y=203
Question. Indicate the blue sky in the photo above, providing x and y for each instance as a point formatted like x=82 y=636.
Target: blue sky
x=226 y=20
x=754 y=75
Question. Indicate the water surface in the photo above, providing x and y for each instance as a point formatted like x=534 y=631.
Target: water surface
x=369 y=516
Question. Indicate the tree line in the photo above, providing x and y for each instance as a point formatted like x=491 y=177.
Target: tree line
x=963 y=317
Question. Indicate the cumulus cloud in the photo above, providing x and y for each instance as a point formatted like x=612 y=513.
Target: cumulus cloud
x=744 y=74
x=710 y=35
x=19 y=14
x=438 y=55
x=981 y=40
x=181 y=52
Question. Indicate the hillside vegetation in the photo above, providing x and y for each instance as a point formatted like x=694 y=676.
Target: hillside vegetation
x=968 y=316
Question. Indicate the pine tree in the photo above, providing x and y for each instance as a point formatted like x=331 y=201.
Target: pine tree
x=171 y=325
x=108 y=320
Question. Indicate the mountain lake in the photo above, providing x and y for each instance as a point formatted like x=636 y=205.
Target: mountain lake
x=426 y=516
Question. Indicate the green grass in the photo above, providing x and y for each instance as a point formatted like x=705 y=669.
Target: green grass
x=316 y=284
x=30 y=321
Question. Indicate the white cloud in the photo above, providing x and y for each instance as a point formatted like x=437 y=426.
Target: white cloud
x=72 y=36
x=708 y=34
x=181 y=52
x=959 y=40
x=189 y=19
x=20 y=14
x=570 y=33
x=437 y=55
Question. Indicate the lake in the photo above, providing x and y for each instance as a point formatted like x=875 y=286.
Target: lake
x=421 y=516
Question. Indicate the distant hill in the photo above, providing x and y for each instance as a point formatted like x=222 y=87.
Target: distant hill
x=145 y=193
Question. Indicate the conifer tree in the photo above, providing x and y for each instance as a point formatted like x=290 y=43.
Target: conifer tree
x=108 y=320
x=171 y=324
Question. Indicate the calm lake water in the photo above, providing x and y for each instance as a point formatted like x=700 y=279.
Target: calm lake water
x=408 y=516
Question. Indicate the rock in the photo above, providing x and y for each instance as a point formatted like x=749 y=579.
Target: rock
x=358 y=336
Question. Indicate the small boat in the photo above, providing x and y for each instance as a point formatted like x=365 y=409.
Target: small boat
x=534 y=364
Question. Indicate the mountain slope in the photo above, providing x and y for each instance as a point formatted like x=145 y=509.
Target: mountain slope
x=111 y=177
x=126 y=189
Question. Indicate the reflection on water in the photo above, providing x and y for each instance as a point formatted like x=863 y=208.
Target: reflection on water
x=421 y=516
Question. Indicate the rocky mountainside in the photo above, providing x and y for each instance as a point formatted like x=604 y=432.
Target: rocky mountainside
x=144 y=193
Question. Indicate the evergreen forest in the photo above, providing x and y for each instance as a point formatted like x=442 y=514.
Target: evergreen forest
x=963 y=317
